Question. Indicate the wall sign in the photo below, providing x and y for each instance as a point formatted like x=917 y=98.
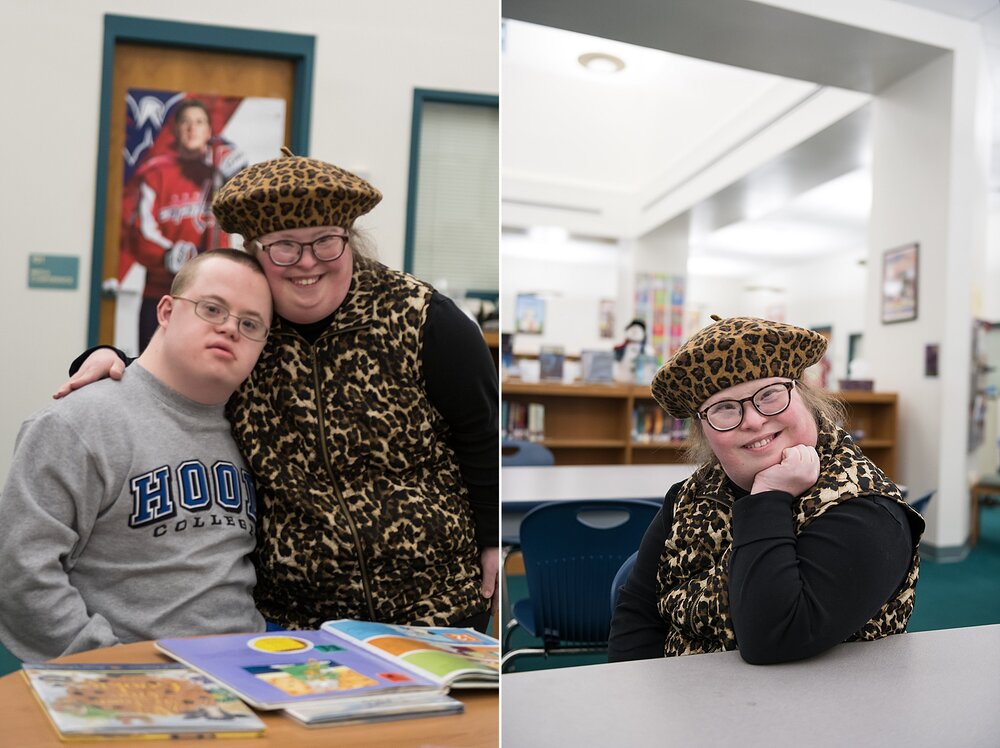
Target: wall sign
x=53 y=271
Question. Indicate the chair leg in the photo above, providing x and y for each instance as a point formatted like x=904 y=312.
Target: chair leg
x=508 y=631
x=505 y=553
x=508 y=659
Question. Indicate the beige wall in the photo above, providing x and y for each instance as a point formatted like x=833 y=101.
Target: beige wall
x=369 y=58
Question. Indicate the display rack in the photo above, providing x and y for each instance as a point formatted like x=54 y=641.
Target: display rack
x=592 y=424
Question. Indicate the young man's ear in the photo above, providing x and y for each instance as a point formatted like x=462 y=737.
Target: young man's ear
x=164 y=309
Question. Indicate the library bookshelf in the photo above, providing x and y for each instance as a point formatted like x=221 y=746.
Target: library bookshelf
x=594 y=424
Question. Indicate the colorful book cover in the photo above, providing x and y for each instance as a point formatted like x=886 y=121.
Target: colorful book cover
x=278 y=670
x=460 y=658
x=150 y=701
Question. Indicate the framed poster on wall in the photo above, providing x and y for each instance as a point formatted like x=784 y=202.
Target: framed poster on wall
x=225 y=67
x=180 y=148
x=900 y=271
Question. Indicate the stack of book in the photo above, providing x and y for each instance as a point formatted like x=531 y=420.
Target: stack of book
x=345 y=672
x=522 y=420
x=651 y=425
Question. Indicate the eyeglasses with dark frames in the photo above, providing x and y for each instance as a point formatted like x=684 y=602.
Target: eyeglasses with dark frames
x=326 y=248
x=727 y=415
x=214 y=312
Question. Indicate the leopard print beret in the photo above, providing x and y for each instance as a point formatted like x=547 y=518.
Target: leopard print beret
x=291 y=192
x=730 y=352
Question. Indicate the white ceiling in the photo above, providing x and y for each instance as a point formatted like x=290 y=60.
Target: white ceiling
x=578 y=146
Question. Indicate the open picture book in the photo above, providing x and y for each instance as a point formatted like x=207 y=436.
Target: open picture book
x=345 y=660
x=150 y=701
x=458 y=658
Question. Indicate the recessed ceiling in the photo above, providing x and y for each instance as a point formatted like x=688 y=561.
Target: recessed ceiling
x=579 y=150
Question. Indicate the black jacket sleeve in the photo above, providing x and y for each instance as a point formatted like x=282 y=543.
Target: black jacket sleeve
x=78 y=361
x=637 y=630
x=793 y=597
x=461 y=382
x=789 y=597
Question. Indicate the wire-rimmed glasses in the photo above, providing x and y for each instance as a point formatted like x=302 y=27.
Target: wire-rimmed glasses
x=214 y=312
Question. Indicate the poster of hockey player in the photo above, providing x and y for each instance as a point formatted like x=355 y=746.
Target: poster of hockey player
x=180 y=147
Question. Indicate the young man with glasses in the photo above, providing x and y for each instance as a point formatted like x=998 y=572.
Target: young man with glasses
x=129 y=513
x=786 y=540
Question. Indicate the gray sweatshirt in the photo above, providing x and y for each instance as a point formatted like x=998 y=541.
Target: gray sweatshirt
x=128 y=514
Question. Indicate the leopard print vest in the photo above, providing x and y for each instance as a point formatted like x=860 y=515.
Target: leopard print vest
x=693 y=576
x=363 y=511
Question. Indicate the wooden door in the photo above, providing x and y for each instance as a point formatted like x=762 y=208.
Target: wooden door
x=176 y=69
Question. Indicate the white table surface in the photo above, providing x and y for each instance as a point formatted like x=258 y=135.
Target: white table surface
x=930 y=689
x=569 y=482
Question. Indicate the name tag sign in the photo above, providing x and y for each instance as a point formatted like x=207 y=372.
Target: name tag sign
x=53 y=271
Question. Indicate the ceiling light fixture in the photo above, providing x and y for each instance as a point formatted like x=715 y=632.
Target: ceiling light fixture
x=599 y=62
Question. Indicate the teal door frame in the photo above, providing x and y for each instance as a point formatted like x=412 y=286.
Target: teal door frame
x=420 y=97
x=298 y=48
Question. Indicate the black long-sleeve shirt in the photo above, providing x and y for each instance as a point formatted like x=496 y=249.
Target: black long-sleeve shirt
x=461 y=382
x=790 y=596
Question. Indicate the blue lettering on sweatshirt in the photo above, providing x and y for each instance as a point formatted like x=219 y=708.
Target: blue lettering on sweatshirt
x=156 y=494
x=151 y=499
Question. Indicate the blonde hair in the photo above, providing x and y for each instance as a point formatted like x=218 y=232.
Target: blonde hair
x=821 y=403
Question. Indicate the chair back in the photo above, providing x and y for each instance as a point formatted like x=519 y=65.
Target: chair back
x=520 y=453
x=620 y=578
x=920 y=504
x=572 y=551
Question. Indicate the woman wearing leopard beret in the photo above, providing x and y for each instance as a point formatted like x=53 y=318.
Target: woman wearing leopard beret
x=786 y=540
x=370 y=420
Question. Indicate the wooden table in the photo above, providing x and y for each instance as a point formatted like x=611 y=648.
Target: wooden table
x=24 y=725
x=922 y=690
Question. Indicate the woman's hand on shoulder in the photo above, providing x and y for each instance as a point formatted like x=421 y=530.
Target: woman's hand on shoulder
x=99 y=364
x=795 y=474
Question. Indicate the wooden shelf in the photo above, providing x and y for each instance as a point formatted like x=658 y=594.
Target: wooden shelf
x=591 y=424
x=582 y=443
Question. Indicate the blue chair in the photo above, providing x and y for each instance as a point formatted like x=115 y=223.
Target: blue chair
x=920 y=504
x=572 y=551
x=620 y=578
x=520 y=453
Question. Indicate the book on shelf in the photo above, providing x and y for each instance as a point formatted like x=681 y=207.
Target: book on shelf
x=164 y=700
x=536 y=422
x=650 y=425
x=646 y=366
x=506 y=351
x=349 y=662
x=597 y=366
x=551 y=363
x=525 y=421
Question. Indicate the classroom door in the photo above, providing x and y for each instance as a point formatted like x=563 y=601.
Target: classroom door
x=174 y=69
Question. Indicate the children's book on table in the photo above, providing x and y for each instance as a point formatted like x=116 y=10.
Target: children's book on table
x=458 y=658
x=91 y=702
x=360 y=666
